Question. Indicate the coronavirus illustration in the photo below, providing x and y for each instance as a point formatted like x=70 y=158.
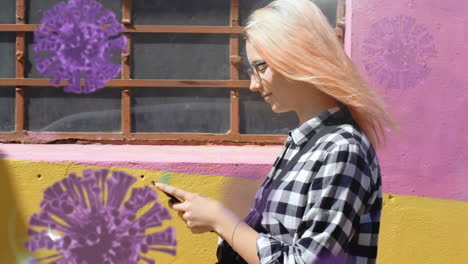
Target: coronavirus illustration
x=87 y=220
x=79 y=39
x=396 y=52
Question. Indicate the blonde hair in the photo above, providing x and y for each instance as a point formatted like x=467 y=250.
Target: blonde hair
x=295 y=39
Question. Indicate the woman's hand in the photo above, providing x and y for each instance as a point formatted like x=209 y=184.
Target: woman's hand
x=200 y=214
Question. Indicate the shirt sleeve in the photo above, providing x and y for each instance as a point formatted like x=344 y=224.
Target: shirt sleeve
x=337 y=198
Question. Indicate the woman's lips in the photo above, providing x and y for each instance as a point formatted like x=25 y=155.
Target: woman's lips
x=266 y=95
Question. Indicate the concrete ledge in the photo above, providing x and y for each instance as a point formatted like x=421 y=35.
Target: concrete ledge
x=252 y=162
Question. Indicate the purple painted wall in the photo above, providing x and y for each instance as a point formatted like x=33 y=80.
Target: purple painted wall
x=415 y=53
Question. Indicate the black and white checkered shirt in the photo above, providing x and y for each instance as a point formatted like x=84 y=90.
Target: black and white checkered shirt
x=327 y=208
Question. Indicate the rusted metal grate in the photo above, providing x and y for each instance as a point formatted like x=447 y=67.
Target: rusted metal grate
x=126 y=84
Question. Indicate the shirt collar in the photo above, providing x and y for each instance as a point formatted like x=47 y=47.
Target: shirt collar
x=304 y=132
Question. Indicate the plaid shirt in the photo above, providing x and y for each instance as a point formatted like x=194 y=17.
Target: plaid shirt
x=327 y=208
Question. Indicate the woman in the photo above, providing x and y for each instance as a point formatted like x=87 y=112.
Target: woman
x=322 y=201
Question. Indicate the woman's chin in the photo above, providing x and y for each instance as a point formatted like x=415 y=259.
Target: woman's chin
x=278 y=109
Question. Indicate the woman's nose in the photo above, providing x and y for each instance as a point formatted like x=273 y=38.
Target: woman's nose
x=254 y=85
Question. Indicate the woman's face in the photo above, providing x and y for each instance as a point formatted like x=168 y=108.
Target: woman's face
x=273 y=87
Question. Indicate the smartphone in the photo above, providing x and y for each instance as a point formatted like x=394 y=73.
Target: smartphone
x=172 y=197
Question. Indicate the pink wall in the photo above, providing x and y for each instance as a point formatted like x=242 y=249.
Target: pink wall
x=416 y=54
x=250 y=162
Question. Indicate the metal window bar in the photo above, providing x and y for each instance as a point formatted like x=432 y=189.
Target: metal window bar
x=125 y=83
x=20 y=46
x=126 y=93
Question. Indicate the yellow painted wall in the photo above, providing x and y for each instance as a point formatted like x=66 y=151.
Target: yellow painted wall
x=414 y=230
x=423 y=230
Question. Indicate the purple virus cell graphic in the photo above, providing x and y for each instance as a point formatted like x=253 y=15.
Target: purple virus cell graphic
x=79 y=40
x=86 y=220
x=396 y=52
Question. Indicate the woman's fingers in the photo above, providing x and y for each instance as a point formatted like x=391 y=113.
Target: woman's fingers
x=196 y=210
x=173 y=190
x=181 y=206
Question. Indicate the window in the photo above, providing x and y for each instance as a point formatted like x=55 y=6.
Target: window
x=182 y=79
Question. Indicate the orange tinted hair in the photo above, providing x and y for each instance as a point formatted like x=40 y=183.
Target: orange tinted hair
x=295 y=39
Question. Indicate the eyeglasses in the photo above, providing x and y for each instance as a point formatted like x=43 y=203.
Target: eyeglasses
x=255 y=69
